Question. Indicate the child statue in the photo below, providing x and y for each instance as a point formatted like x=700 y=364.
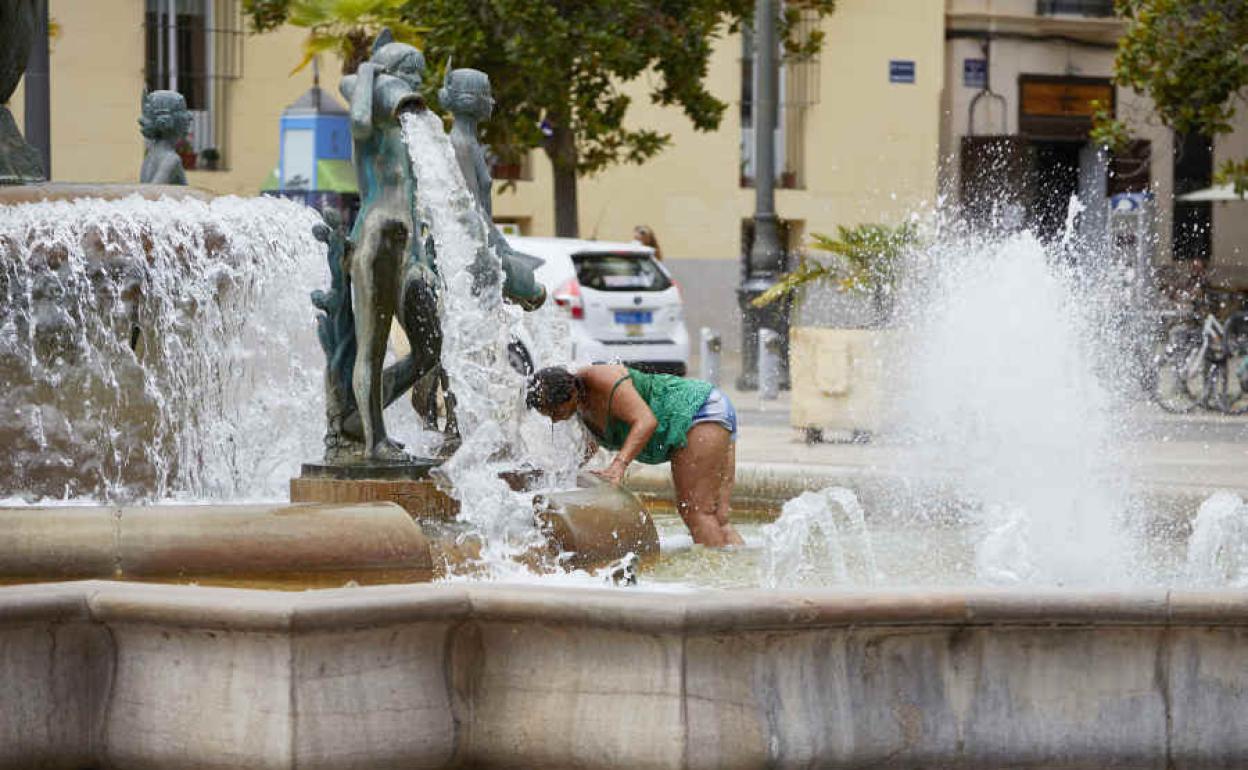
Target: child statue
x=164 y=121
x=466 y=94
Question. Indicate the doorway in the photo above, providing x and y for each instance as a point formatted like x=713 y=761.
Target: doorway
x=1053 y=179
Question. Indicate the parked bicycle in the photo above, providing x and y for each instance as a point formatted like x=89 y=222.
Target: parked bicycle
x=1203 y=363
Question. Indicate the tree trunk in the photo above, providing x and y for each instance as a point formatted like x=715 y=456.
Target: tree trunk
x=561 y=149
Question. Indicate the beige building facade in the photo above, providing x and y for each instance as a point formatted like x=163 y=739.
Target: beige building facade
x=1024 y=72
x=99 y=64
x=872 y=130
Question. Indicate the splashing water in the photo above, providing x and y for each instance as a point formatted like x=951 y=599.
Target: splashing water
x=136 y=347
x=477 y=327
x=815 y=528
x=1217 y=551
x=1005 y=386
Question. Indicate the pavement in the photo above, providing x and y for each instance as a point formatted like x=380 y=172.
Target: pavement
x=1197 y=450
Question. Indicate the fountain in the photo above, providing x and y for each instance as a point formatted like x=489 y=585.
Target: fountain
x=163 y=378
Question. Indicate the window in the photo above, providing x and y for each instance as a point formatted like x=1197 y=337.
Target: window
x=619 y=272
x=797 y=89
x=1075 y=7
x=194 y=47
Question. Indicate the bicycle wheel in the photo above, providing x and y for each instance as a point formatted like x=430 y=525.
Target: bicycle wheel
x=1237 y=385
x=1179 y=382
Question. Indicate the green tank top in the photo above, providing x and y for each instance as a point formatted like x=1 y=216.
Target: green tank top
x=674 y=401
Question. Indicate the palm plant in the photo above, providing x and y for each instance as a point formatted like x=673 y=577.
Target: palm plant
x=865 y=260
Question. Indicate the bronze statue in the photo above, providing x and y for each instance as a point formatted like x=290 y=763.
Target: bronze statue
x=19 y=162
x=387 y=257
x=466 y=94
x=163 y=123
x=386 y=268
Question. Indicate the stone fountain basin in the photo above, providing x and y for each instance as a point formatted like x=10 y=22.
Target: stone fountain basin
x=106 y=674
x=295 y=546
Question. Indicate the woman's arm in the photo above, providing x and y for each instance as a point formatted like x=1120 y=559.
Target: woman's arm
x=631 y=408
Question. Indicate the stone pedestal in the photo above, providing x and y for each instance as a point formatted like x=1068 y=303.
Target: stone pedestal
x=407 y=484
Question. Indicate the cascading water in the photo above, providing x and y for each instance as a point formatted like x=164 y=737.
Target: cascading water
x=499 y=435
x=1005 y=385
x=1217 y=551
x=157 y=348
x=826 y=528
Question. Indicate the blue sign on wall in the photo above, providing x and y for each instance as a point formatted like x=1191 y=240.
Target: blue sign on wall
x=901 y=71
x=974 y=73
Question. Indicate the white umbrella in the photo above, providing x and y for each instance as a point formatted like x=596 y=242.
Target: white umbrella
x=1221 y=192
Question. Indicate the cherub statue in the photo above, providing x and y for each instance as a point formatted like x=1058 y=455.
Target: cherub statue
x=387 y=257
x=163 y=122
x=466 y=94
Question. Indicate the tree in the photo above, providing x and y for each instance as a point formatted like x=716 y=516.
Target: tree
x=1191 y=58
x=558 y=67
x=343 y=27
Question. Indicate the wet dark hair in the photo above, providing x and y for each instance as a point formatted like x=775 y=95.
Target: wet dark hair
x=551 y=387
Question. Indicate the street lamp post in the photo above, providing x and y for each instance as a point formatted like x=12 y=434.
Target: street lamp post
x=765 y=259
x=38 y=91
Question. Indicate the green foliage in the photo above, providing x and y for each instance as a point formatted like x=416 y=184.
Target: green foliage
x=562 y=64
x=1107 y=131
x=1191 y=58
x=345 y=28
x=865 y=261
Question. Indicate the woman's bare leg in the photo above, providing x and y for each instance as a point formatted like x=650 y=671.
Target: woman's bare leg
x=728 y=480
x=700 y=472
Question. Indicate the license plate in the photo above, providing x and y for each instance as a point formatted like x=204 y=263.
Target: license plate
x=634 y=317
x=634 y=330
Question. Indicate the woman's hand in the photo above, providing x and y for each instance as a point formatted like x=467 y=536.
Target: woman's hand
x=613 y=473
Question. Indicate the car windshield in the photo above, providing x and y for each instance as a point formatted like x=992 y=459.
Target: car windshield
x=620 y=272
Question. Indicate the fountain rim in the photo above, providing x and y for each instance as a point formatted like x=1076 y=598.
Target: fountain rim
x=701 y=611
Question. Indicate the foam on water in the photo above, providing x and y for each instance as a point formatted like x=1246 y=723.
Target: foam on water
x=151 y=349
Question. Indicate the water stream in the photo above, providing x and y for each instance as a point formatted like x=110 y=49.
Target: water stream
x=499 y=435
x=156 y=349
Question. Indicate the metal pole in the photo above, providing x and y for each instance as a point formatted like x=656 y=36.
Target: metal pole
x=766 y=257
x=173 y=45
x=711 y=344
x=38 y=117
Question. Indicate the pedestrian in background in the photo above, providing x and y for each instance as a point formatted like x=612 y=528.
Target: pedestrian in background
x=645 y=236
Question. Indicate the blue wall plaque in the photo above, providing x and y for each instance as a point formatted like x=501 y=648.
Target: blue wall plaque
x=901 y=71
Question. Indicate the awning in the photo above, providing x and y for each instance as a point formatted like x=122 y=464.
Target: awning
x=1221 y=192
x=331 y=176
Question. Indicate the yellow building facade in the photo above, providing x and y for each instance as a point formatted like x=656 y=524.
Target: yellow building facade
x=98 y=64
x=868 y=147
x=872 y=128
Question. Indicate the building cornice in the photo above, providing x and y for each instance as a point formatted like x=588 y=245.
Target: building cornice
x=1092 y=31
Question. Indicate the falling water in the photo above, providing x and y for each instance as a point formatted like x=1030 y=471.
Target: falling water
x=1217 y=551
x=477 y=326
x=1005 y=386
x=157 y=348
x=818 y=532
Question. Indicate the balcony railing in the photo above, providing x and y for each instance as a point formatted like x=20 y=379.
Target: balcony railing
x=1075 y=7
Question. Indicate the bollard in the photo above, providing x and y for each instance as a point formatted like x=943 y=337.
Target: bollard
x=709 y=350
x=769 y=352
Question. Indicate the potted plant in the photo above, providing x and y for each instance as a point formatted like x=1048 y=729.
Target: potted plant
x=210 y=157
x=186 y=152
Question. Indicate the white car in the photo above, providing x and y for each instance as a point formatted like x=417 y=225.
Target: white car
x=621 y=303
